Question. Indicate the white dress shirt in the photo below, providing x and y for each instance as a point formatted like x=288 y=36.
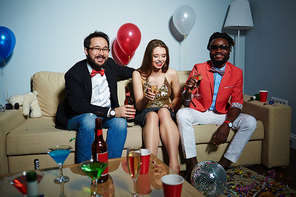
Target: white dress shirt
x=100 y=90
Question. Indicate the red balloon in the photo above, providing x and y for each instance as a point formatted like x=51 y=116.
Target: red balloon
x=129 y=38
x=120 y=55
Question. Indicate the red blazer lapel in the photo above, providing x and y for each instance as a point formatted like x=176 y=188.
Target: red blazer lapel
x=210 y=77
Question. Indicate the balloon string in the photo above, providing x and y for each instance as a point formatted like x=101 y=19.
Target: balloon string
x=184 y=51
x=5 y=78
x=129 y=59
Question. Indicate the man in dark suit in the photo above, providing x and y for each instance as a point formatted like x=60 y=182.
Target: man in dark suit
x=91 y=87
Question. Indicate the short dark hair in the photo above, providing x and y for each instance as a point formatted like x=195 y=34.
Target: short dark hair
x=221 y=35
x=93 y=35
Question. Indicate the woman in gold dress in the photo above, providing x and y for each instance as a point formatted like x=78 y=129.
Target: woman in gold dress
x=156 y=111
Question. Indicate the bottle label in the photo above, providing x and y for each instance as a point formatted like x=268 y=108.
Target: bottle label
x=99 y=132
x=104 y=158
x=131 y=118
x=127 y=94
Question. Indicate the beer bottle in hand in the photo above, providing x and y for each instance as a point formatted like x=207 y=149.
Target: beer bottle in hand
x=128 y=101
x=99 y=149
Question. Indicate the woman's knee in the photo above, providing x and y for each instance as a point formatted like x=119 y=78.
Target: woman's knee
x=162 y=112
x=151 y=117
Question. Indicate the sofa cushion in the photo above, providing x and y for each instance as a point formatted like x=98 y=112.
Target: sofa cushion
x=34 y=136
x=42 y=134
x=51 y=90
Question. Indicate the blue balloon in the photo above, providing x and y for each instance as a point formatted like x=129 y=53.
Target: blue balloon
x=7 y=42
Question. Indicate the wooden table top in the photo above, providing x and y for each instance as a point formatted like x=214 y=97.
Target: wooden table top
x=120 y=183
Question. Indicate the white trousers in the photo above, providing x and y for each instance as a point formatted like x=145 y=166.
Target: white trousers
x=244 y=124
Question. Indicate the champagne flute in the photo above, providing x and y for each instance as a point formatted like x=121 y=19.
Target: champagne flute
x=93 y=169
x=19 y=181
x=134 y=165
x=59 y=154
x=198 y=77
x=154 y=88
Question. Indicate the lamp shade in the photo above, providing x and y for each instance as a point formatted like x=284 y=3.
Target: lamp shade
x=239 y=15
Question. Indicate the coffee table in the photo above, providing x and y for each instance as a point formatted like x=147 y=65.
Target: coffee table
x=119 y=184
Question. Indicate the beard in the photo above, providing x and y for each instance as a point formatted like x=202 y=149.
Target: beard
x=219 y=63
x=93 y=63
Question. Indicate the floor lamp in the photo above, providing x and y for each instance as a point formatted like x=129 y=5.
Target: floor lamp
x=240 y=18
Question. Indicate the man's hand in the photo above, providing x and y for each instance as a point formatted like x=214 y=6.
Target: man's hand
x=221 y=135
x=125 y=111
x=190 y=85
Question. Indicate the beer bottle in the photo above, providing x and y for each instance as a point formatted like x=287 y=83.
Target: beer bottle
x=255 y=97
x=128 y=101
x=99 y=149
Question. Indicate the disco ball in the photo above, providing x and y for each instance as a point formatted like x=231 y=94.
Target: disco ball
x=209 y=178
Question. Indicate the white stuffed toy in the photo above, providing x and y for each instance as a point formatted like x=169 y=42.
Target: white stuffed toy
x=28 y=101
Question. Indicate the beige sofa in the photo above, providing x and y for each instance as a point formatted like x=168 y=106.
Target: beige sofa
x=24 y=139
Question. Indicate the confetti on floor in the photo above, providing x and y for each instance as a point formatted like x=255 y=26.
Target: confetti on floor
x=242 y=182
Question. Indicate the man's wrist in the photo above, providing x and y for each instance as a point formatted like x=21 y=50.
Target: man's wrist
x=228 y=123
x=183 y=96
x=111 y=113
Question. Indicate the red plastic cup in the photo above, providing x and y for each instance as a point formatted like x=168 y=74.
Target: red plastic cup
x=172 y=185
x=145 y=157
x=263 y=95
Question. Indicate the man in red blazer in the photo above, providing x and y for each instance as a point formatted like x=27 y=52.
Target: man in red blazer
x=215 y=97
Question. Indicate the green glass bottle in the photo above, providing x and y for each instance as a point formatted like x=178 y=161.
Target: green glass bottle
x=255 y=97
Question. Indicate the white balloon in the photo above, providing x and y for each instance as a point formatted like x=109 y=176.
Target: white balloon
x=184 y=18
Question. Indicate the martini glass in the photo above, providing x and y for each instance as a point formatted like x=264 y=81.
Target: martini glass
x=198 y=77
x=20 y=183
x=93 y=169
x=60 y=153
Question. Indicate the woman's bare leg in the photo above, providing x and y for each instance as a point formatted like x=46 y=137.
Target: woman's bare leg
x=170 y=137
x=151 y=132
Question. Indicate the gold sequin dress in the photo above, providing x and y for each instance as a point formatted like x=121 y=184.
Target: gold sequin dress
x=161 y=98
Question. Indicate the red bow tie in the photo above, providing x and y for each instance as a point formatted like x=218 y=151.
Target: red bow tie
x=94 y=72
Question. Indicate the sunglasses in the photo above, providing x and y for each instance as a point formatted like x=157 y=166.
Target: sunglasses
x=221 y=47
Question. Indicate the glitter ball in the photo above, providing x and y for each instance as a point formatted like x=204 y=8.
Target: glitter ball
x=209 y=178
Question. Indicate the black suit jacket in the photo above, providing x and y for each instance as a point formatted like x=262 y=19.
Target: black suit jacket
x=79 y=90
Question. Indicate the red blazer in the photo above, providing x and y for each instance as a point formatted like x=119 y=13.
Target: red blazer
x=230 y=90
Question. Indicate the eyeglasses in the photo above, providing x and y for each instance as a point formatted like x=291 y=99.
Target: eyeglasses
x=221 y=47
x=97 y=49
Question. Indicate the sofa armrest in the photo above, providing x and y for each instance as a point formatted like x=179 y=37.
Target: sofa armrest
x=277 y=128
x=9 y=120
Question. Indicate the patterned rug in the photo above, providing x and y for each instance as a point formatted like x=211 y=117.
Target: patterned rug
x=245 y=182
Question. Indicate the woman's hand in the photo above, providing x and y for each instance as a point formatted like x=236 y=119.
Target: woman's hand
x=149 y=94
x=170 y=106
